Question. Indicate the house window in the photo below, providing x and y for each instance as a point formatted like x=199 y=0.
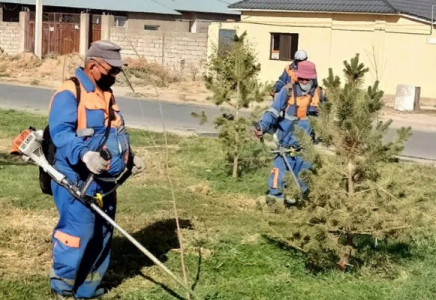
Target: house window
x=96 y=19
x=225 y=39
x=120 y=21
x=151 y=27
x=283 y=46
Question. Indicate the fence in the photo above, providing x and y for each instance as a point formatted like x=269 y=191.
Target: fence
x=67 y=33
x=174 y=50
x=10 y=37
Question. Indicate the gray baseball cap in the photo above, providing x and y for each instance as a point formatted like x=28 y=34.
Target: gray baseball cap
x=108 y=51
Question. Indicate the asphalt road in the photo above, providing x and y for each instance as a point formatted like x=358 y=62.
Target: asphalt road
x=177 y=117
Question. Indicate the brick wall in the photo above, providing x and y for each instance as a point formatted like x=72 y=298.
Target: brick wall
x=10 y=37
x=175 y=50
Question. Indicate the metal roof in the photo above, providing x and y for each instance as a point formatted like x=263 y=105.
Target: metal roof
x=205 y=6
x=418 y=8
x=169 y=7
x=147 y=6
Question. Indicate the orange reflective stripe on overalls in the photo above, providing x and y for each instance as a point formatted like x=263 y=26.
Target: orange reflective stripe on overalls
x=304 y=102
x=275 y=172
x=291 y=73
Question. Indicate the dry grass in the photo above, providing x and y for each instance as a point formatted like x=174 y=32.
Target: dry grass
x=5 y=144
x=150 y=80
x=50 y=71
x=142 y=73
x=25 y=242
x=154 y=160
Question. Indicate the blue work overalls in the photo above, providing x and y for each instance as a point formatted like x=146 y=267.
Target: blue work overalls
x=82 y=239
x=284 y=116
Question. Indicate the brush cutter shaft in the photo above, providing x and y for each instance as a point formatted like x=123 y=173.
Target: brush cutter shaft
x=142 y=248
x=294 y=177
x=281 y=151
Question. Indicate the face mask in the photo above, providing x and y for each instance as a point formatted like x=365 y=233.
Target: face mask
x=306 y=87
x=105 y=82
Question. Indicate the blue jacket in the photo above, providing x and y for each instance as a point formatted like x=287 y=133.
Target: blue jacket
x=286 y=114
x=90 y=117
x=284 y=78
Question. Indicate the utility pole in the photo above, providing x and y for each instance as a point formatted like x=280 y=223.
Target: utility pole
x=38 y=29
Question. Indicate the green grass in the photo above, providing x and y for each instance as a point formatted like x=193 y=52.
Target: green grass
x=227 y=252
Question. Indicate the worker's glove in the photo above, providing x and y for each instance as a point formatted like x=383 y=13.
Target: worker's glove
x=258 y=133
x=138 y=165
x=94 y=162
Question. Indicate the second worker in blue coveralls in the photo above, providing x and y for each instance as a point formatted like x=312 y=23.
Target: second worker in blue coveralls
x=290 y=110
x=84 y=118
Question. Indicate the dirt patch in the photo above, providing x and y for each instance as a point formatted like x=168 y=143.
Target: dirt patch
x=25 y=242
x=424 y=102
x=149 y=80
x=202 y=189
x=29 y=69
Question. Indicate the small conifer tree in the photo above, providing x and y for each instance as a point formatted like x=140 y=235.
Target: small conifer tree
x=233 y=79
x=352 y=195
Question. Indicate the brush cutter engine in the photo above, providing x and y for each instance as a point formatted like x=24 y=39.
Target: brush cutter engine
x=28 y=143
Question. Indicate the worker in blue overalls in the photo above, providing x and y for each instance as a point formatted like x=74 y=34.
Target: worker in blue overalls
x=84 y=118
x=290 y=110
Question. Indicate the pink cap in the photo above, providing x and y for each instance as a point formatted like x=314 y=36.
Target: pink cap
x=306 y=70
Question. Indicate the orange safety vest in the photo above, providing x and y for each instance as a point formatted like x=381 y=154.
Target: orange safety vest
x=96 y=100
x=303 y=103
x=92 y=101
x=291 y=73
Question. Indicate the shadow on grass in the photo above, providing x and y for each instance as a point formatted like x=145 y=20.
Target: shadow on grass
x=169 y=290
x=127 y=261
x=11 y=160
x=382 y=256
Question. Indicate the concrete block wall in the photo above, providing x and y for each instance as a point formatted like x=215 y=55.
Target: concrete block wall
x=174 y=50
x=10 y=37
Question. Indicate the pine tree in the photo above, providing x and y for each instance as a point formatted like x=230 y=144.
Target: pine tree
x=354 y=194
x=233 y=79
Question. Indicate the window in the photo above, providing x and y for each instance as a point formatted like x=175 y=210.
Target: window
x=96 y=19
x=225 y=39
x=283 y=46
x=11 y=12
x=151 y=27
x=120 y=21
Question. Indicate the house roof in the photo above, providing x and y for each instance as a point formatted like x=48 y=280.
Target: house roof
x=168 y=7
x=417 y=8
x=205 y=6
x=148 y=6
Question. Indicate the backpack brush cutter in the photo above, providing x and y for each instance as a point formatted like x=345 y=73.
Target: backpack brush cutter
x=28 y=144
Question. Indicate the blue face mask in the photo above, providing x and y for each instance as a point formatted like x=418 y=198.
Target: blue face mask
x=305 y=88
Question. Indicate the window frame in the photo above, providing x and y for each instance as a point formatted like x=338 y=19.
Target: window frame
x=148 y=27
x=293 y=47
x=117 y=19
x=225 y=39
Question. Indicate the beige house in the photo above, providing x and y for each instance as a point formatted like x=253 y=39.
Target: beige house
x=395 y=38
